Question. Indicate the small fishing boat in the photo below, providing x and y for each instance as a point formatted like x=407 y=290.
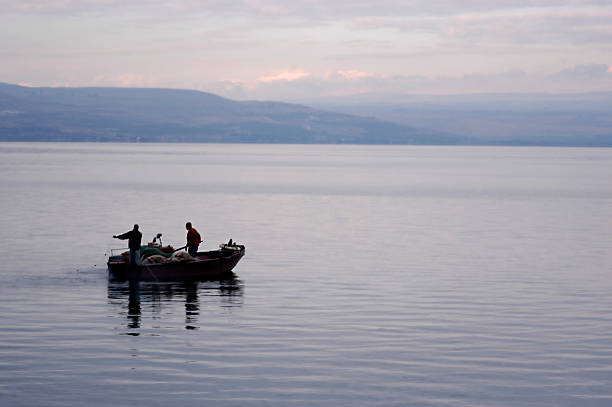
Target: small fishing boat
x=204 y=266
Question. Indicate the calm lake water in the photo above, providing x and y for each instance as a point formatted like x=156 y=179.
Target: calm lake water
x=374 y=276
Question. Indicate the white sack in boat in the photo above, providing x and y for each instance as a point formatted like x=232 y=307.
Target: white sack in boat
x=155 y=259
x=180 y=256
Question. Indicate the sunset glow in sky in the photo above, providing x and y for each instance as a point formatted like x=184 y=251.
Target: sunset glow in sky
x=266 y=49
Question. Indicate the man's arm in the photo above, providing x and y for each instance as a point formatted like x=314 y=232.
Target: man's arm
x=124 y=236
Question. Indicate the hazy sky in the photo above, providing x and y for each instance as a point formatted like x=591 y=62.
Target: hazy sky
x=291 y=50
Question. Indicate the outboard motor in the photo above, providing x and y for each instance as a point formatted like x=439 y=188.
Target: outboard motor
x=231 y=245
x=155 y=243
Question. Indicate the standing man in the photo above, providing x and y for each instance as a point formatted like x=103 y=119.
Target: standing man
x=135 y=237
x=193 y=239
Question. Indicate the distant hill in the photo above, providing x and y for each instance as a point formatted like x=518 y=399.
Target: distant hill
x=167 y=115
x=580 y=119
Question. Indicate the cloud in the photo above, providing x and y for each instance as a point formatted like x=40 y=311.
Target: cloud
x=56 y=6
x=557 y=24
x=308 y=9
x=354 y=74
x=584 y=71
x=579 y=78
x=127 y=80
x=237 y=7
x=287 y=76
x=233 y=89
x=343 y=47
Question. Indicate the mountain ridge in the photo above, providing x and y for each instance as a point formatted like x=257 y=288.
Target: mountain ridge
x=100 y=114
x=169 y=115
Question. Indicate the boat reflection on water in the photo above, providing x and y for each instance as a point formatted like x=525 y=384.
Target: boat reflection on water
x=137 y=300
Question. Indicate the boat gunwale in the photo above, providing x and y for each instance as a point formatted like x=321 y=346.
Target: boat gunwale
x=197 y=269
x=231 y=254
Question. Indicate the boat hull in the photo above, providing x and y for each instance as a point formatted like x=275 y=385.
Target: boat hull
x=206 y=266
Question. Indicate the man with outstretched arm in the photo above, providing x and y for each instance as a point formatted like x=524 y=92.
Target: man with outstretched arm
x=135 y=238
x=193 y=239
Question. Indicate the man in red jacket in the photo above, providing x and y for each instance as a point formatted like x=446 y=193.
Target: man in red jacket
x=193 y=239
